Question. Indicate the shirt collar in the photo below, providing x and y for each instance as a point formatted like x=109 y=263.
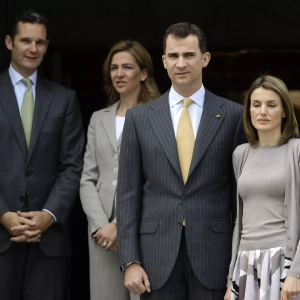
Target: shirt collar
x=198 y=97
x=16 y=77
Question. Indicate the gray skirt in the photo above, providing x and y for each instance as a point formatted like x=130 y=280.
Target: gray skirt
x=259 y=274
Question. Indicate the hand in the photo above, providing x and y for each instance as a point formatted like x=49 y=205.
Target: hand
x=291 y=287
x=228 y=293
x=43 y=220
x=114 y=247
x=25 y=228
x=136 y=279
x=107 y=234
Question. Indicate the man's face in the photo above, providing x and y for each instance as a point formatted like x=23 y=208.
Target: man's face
x=184 y=62
x=28 y=47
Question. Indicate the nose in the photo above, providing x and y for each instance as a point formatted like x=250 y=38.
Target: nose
x=181 y=63
x=263 y=110
x=33 y=47
x=120 y=72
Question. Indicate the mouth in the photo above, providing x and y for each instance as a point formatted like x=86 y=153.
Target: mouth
x=263 y=120
x=120 y=83
x=182 y=73
x=31 y=58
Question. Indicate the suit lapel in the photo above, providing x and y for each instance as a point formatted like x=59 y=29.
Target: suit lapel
x=109 y=124
x=212 y=118
x=43 y=100
x=9 y=104
x=161 y=122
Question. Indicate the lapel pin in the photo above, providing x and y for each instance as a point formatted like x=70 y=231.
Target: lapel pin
x=218 y=116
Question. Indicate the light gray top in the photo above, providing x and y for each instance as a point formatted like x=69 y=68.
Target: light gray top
x=262 y=189
x=291 y=204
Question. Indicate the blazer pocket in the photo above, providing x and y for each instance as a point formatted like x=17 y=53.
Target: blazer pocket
x=148 y=227
x=221 y=226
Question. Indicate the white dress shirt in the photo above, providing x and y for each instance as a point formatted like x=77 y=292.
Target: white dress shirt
x=20 y=89
x=195 y=109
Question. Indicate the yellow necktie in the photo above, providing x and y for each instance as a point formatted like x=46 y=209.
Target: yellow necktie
x=27 y=110
x=185 y=139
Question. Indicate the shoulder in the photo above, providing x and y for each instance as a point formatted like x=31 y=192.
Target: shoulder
x=229 y=104
x=151 y=105
x=53 y=86
x=105 y=111
x=4 y=76
x=294 y=145
x=241 y=150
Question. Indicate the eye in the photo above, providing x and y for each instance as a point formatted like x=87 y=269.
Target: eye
x=41 y=43
x=112 y=68
x=255 y=104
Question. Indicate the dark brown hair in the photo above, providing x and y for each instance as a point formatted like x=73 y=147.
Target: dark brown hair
x=183 y=30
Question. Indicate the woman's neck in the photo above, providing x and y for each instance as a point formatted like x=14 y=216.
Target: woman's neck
x=267 y=139
x=126 y=103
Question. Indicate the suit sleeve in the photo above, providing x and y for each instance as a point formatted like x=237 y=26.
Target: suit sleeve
x=129 y=193
x=66 y=186
x=89 y=196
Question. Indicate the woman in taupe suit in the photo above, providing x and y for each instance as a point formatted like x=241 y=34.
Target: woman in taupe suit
x=128 y=80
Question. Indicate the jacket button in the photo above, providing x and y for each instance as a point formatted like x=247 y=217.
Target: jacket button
x=114 y=183
x=184 y=198
x=180 y=223
x=21 y=198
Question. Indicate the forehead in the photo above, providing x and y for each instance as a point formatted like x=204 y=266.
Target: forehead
x=123 y=57
x=181 y=45
x=37 y=31
x=261 y=94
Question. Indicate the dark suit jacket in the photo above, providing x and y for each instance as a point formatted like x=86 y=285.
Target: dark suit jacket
x=152 y=199
x=50 y=171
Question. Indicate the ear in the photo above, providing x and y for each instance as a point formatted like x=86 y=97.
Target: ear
x=8 y=42
x=164 y=61
x=47 y=44
x=205 y=59
x=144 y=74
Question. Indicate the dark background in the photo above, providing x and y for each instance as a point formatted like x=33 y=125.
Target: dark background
x=246 y=38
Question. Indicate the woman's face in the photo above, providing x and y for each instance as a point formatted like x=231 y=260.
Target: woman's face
x=266 y=111
x=125 y=73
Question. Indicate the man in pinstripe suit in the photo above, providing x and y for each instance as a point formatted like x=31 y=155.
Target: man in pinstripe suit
x=175 y=236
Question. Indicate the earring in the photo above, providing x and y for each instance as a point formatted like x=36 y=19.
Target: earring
x=283 y=116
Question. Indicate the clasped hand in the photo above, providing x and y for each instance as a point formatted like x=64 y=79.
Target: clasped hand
x=106 y=237
x=26 y=226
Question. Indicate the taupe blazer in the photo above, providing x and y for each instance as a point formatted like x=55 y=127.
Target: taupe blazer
x=100 y=173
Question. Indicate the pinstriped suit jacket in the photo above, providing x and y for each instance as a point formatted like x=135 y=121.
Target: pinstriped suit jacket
x=152 y=199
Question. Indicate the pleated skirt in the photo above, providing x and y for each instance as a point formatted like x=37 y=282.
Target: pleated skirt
x=259 y=274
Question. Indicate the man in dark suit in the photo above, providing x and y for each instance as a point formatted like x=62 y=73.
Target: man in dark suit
x=176 y=186
x=42 y=143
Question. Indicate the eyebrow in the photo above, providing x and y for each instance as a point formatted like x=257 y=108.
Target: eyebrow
x=184 y=54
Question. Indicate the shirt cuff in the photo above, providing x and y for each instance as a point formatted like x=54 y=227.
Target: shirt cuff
x=55 y=220
x=124 y=266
